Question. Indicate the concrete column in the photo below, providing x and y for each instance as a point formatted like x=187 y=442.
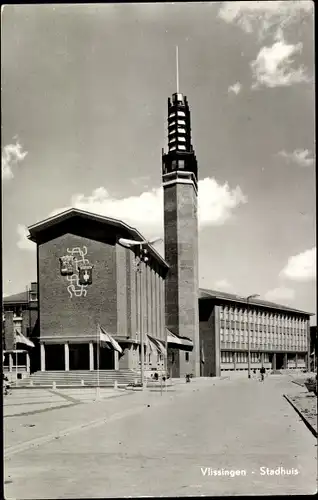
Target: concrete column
x=234 y=360
x=28 y=362
x=262 y=358
x=91 y=356
x=216 y=341
x=285 y=361
x=296 y=361
x=116 y=360
x=10 y=363
x=42 y=358
x=66 y=357
x=274 y=361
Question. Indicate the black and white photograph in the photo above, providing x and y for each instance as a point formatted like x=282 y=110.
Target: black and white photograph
x=159 y=306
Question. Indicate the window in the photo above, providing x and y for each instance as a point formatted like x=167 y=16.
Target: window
x=181 y=164
x=181 y=130
x=33 y=297
x=222 y=334
x=180 y=113
x=181 y=147
x=187 y=356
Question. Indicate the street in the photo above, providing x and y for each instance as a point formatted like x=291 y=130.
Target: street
x=183 y=443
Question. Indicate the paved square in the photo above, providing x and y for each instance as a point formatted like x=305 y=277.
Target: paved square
x=169 y=445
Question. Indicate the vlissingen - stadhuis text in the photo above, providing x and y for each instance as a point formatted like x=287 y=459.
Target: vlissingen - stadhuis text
x=263 y=471
x=208 y=471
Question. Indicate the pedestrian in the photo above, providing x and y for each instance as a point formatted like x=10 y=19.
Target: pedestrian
x=6 y=384
x=262 y=372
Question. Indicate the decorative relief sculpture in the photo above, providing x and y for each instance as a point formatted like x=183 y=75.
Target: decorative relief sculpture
x=78 y=271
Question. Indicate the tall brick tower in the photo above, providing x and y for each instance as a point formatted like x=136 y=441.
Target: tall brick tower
x=179 y=177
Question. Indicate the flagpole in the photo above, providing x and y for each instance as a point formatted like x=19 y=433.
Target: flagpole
x=166 y=358
x=142 y=353
x=16 y=361
x=97 y=362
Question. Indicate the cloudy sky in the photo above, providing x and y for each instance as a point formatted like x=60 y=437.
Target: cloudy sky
x=84 y=109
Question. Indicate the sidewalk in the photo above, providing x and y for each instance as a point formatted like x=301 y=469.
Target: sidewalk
x=60 y=417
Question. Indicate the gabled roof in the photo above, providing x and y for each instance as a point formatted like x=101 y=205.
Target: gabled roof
x=206 y=294
x=88 y=225
x=17 y=298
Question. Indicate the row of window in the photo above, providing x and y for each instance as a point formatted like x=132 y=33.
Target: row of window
x=266 y=318
x=254 y=329
x=242 y=357
x=177 y=114
x=283 y=337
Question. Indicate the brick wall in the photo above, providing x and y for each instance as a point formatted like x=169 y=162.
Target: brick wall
x=209 y=340
x=181 y=253
x=121 y=274
x=9 y=331
x=65 y=317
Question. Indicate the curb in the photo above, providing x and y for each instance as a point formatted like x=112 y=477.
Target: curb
x=304 y=419
x=297 y=383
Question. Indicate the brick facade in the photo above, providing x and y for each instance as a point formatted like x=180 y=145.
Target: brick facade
x=181 y=252
x=68 y=318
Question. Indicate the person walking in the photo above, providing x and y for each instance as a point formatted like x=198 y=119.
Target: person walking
x=262 y=372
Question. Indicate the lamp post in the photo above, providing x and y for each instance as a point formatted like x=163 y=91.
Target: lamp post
x=249 y=333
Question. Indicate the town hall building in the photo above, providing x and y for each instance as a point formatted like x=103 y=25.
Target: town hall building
x=92 y=288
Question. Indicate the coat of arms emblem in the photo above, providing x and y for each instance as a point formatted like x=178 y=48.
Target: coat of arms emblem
x=67 y=265
x=85 y=272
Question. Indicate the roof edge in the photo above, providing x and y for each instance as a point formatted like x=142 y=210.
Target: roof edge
x=50 y=221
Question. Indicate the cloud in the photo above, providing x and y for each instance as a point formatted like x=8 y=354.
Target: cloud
x=145 y=212
x=12 y=154
x=301 y=267
x=23 y=242
x=216 y=203
x=264 y=17
x=235 y=88
x=222 y=285
x=273 y=66
x=281 y=293
x=141 y=181
x=303 y=157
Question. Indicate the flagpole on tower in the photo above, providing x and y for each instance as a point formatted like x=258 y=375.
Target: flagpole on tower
x=177 y=67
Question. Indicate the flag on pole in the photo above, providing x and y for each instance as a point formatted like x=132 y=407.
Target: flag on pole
x=159 y=345
x=21 y=339
x=202 y=355
x=152 y=345
x=107 y=338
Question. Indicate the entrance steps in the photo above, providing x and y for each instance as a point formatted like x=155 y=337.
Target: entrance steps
x=106 y=378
